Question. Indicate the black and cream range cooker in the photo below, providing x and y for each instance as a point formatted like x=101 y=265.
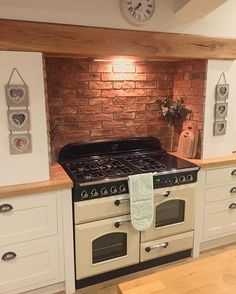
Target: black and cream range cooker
x=106 y=244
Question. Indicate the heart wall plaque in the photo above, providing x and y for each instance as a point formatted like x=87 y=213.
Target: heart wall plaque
x=16 y=95
x=20 y=143
x=221 y=110
x=222 y=92
x=18 y=120
x=220 y=128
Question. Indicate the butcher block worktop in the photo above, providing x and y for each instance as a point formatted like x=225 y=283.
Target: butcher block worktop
x=58 y=180
x=213 y=275
x=212 y=162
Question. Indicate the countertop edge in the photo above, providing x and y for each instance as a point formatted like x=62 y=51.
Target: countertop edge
x=59 y=180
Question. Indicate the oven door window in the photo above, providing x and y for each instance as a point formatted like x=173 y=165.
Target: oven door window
x=109 y=246
x=170 y=212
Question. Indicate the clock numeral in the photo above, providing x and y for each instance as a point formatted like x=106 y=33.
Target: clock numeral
x=150 y=5
x=130 y=8
x=129 y=2
x=148 y=11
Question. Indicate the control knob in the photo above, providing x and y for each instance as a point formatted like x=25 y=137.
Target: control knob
x=182 y=179
x=175 y=180
x=189 y=178
x=104 y=191
x=113 y=190
x=84 y=194
x=94 y=193
x=122 y=188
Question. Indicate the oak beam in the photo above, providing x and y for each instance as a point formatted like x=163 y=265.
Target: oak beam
x=91 y=41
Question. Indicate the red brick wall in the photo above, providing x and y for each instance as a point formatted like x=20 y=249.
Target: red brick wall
x=97 y=100
x=189 y=81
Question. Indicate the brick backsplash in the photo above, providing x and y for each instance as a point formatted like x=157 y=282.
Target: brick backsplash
x=98 y=100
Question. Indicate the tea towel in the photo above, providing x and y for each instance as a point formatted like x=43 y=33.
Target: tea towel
x=141 y=200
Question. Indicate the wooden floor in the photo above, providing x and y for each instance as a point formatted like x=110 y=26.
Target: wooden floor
x=110 y=287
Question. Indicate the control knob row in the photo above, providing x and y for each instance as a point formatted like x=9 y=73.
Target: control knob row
x=104 y=191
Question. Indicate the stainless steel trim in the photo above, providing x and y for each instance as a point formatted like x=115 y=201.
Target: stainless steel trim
x=126 y=178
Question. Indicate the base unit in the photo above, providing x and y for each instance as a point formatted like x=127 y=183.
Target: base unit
x=166 y=246
x=29 y=263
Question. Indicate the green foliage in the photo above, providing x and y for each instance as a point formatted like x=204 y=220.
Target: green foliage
x=174 y=110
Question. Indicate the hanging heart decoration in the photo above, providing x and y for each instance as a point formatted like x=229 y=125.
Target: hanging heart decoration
x=21 y=143
x=220 y=127
x=18 y=118
x=16 y=93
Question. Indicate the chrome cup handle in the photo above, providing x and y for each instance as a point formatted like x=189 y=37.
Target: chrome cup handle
x=117 y=224
x=117 y=202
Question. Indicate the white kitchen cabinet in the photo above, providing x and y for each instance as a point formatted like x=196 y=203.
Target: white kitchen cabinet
x=215 y=222
x=36 y=244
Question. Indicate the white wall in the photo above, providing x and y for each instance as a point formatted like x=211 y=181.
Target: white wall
x=106 y=13
x=31 y=167
x=214 y=146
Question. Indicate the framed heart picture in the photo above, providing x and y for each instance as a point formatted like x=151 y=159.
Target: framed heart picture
x=220 y=128
x=18 y=120
x=20 y=143
x=221 y=110
x=16 y=95
x=222 y=92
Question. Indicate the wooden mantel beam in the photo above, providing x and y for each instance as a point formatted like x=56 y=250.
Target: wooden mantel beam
x=91 y=41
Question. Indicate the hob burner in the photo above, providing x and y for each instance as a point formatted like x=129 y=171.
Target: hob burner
x=145 y=163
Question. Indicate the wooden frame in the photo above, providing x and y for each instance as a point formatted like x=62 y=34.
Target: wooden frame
x=91 y=41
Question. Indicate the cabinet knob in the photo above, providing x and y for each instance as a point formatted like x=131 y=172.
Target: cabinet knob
x=233 y=173
x=233 y=190
x=5 y=207
x=8 y=256
x=232 y=206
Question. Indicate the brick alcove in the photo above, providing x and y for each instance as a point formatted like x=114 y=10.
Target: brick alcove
x=97 y=100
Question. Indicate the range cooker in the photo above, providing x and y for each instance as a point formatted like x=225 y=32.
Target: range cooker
x=104 y=237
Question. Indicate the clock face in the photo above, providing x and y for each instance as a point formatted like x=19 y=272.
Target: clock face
x=137 y=12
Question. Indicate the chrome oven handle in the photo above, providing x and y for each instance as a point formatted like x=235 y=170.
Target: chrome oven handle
x=119 y=223
x=162 y=245
x=120 y=201
x=165 y=194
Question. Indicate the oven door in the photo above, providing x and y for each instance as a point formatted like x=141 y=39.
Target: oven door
x=173 y=213
x=105 y=245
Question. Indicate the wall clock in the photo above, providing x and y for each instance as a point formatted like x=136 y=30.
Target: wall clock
x=137 y=12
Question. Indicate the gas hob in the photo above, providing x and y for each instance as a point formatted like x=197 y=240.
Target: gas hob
x=101 y=168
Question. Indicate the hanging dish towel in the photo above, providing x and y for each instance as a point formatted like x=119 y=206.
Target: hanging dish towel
x=141 y=200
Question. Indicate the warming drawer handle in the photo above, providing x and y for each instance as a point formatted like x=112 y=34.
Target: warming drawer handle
x=9 y=256
x=233 y=190
x=165 y=194
x=162 y=245
x=233 y=173
x=119 y=223
x=120 y=201
x=5 y=207
x=232 y=206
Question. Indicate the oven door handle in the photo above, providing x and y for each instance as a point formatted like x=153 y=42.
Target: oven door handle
x=120 y=201
x=119 y=223
x=165 y=194
x=162 y=245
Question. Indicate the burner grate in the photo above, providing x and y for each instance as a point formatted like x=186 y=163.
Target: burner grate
x=98 y=169
x=145 y=163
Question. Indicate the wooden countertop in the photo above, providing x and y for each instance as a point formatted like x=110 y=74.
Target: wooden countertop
x=58 y=180
x=213 y=275
x=212 y=162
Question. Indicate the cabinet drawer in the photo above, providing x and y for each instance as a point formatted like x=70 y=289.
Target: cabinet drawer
x=35 y=262
x=176 y=243
x=31 y=217
x=220 y=219
x=220 y=193
x=96 y=209
x=221 y=175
